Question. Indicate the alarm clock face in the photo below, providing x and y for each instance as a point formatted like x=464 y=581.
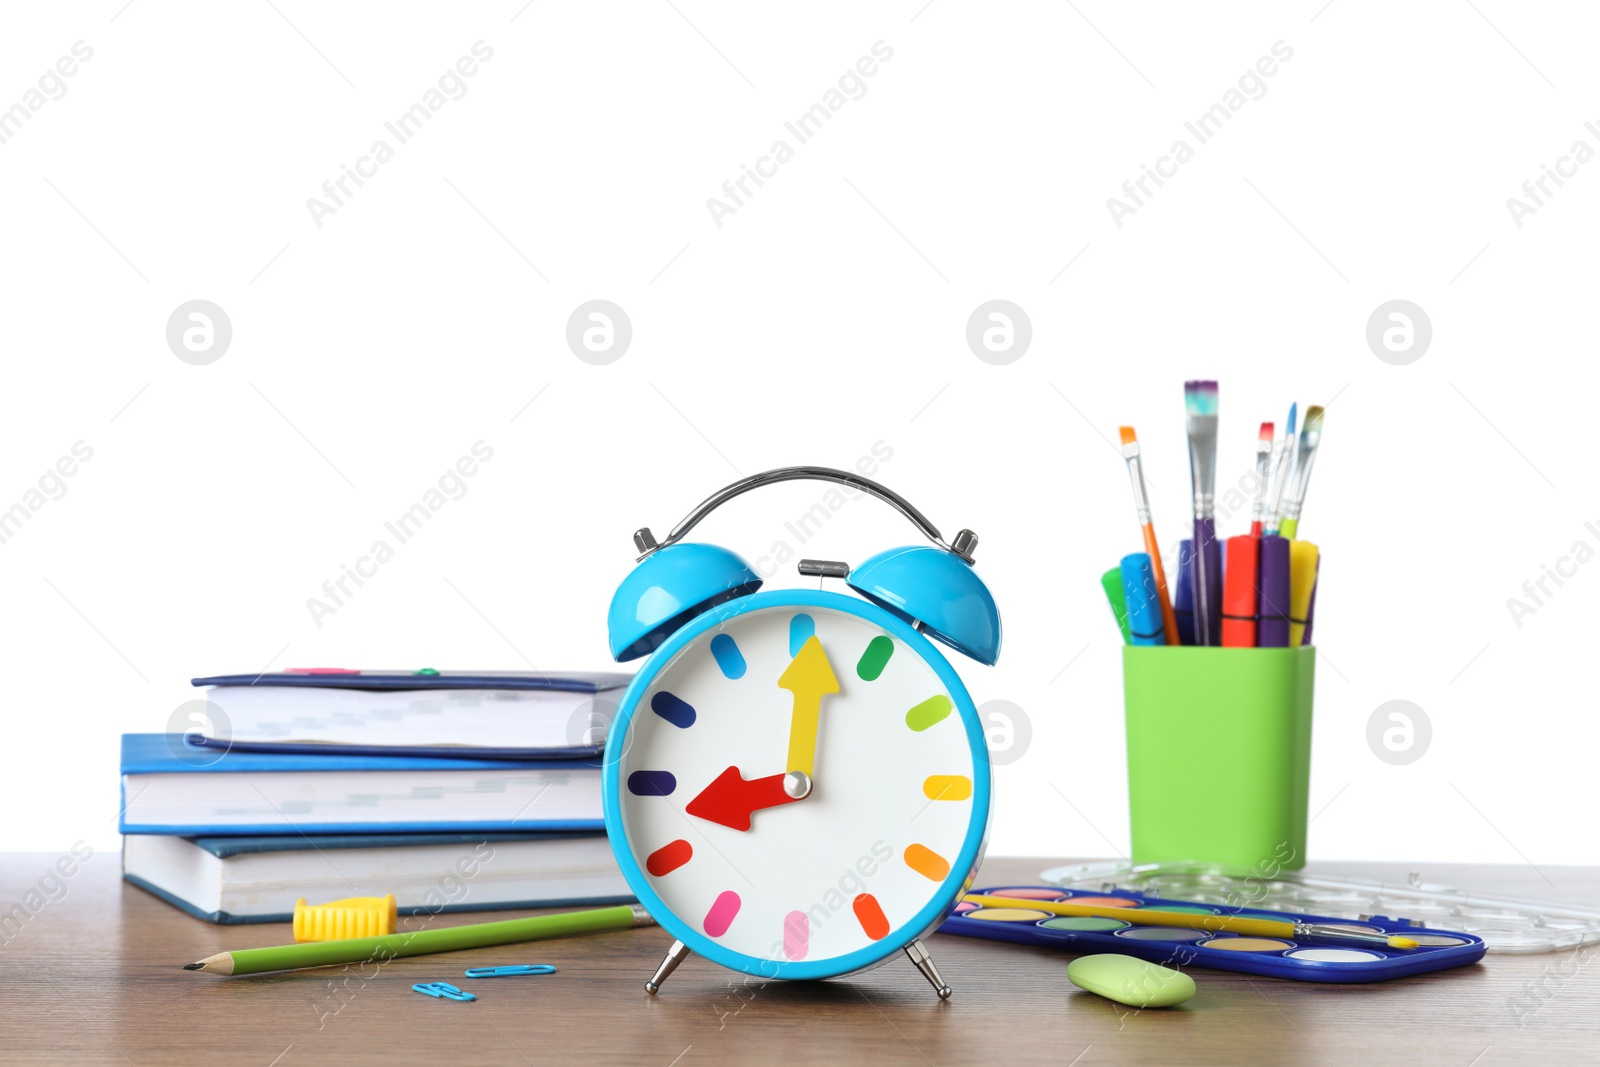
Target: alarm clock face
x=808 y=874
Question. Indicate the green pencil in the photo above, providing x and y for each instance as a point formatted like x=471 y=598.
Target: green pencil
x=421 y=942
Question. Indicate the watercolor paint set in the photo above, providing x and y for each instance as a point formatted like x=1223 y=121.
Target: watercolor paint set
x=1506 y=924
x=1314 y=959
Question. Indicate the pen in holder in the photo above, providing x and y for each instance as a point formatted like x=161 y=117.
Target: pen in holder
x=1219 y=754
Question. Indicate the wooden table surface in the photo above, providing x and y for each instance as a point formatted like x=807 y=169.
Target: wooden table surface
x=94 y=976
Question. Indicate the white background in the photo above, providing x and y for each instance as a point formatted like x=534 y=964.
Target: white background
x=827 y=314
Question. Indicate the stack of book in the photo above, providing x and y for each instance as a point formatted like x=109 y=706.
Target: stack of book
x=453 y=791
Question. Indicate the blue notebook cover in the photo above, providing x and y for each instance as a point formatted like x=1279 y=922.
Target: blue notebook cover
x=165 y=754
x=226 y=847
x=223 y=847
x=173 y=754
x=225 y=918
x=228 y=919
x=574 y=682
x=584 y=755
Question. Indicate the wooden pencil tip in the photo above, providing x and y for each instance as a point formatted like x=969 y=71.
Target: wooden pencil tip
x=193 y=966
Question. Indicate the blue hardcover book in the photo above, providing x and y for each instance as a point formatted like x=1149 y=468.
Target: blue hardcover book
x=258 y=879
x=588 y=755
x=170 y=786
x=494 y=715
x=340 y=678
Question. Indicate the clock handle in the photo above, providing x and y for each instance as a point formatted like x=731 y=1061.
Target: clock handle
x=962 y=546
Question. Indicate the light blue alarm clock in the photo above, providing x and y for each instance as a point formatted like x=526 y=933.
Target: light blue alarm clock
x=796 y=782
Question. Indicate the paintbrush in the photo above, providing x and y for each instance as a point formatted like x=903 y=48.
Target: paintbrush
x=1141 y=506
x=1258 y=509
x=1282 y=462
x=1310 y=437
x=1200 y=402
x=1230 y=924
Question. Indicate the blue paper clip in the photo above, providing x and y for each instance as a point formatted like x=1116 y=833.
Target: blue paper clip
x=510 y=969
x=442 y=989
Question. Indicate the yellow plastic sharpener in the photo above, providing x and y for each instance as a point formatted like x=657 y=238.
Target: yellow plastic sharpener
x=341 y=920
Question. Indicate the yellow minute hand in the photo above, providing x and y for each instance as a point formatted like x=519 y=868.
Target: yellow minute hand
x=809 y=677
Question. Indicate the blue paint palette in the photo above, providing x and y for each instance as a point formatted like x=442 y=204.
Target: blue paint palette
x=1302 y=961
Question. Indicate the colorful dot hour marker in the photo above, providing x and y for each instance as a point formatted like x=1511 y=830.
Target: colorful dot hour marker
x=723 y=909
x=796 y=935
x=947 y=787
x=672 y=708
x=725 y=650
x=926 y=862
x=801 y=627
x=870 y=915
x=930 y=711
x=669 y=857
x=651 y=783
x=875 y=658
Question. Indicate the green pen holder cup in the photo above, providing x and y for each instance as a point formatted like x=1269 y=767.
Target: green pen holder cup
x=1219 y=754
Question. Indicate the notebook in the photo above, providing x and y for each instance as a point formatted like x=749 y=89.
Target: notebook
x=172 y=787
x=427 y=678
x=507 y=714
x=258 y=879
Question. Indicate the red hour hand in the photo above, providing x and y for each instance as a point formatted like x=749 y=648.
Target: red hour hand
x=731 y=798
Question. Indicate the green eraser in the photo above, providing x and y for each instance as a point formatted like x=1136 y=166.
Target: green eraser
x=1130 y=981
x=1111 y=581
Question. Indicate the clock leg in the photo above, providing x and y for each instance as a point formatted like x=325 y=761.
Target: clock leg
x=675 y=956
x=924 y=963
